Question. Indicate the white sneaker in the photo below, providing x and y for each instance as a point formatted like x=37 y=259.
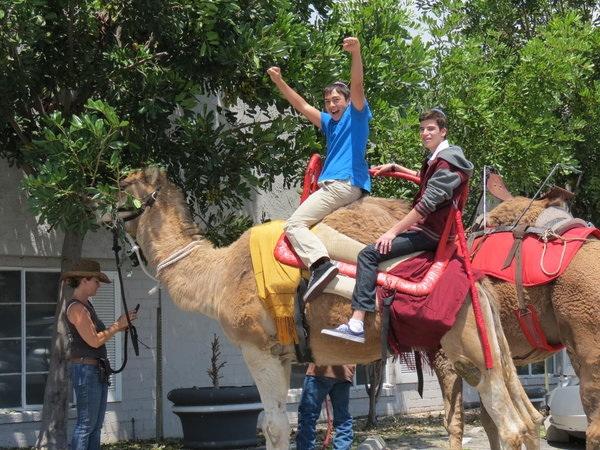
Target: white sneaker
x=344 y=332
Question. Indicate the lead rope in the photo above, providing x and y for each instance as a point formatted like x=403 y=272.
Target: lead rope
x=130 y=327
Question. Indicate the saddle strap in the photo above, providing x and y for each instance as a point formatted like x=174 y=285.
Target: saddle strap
x=386 y=303
x=302 y=347
x=529 y=322
x=419 y=369
x=517 y=254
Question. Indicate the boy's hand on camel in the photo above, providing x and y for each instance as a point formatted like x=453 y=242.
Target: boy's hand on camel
x=275 y=73
x=351 y=45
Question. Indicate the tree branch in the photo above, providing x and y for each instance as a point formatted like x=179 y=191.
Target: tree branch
x=15 y=126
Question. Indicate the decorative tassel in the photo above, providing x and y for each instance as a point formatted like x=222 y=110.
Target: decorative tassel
x=286 y=330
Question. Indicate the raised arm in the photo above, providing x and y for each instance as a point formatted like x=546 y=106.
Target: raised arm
x=295 y=99
x=357 y=90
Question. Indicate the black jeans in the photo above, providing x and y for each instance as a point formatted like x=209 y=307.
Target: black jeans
x=363 y=297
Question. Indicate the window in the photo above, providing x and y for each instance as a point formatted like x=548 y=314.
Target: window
x=27 y=311
x=538 y=368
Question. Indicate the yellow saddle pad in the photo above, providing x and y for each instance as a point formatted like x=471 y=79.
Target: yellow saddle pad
x=276 y=283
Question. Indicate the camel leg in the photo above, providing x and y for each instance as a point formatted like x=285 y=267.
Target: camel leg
x=531 y=440
x=531 y=417
x=451 y=387
x=587 y=368
x=272 y=378
x=463 y=347
x=490 y=429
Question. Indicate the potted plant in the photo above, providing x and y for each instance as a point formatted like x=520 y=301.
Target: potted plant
x=217 y=416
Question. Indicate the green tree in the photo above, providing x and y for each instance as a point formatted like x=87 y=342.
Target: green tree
x=524 y=99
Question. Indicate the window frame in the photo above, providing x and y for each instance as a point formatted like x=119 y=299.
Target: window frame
x=530 y=375
x=115 y=392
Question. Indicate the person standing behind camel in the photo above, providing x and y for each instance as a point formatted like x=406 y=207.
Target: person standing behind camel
x=88 y=336
x=319 y=382
x=345 y=175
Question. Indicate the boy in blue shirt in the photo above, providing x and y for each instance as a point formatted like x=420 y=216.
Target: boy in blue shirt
x=345 y=175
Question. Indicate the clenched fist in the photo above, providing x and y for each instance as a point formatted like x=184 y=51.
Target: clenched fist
x=275 y=73
x=351 y=45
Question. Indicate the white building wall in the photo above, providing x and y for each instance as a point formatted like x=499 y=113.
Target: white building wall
x=186 y=336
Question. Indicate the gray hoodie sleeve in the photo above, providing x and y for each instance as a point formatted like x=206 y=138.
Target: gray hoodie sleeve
x=454 y=169
x=440 y=188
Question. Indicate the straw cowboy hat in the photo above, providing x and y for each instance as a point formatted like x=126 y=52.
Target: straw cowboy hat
x=85 y=268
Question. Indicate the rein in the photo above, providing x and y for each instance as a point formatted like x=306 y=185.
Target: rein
x=131 y=330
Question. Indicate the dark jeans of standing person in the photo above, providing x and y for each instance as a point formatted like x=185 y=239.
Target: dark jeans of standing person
x=363 y=298
x=314 y=391
x=91 y=396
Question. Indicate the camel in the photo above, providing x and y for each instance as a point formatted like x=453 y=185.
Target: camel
x=219 y=283
x=569 y=310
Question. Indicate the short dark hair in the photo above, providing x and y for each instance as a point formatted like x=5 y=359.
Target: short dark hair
x=435 y=114
x=74 y=282
x=339 y=86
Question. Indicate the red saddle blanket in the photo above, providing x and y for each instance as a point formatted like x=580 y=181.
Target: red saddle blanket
x=421 y=322
x=491 y=253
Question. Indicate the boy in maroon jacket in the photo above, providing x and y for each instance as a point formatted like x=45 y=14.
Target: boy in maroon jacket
x=444 y=177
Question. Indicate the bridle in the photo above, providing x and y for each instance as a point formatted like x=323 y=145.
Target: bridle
x=147 y=202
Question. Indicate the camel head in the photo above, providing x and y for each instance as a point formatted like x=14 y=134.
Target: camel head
x=139 y=190
x=140 y=183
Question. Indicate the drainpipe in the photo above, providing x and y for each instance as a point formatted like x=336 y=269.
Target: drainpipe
x=159 y=361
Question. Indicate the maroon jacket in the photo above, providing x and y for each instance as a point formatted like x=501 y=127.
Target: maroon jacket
x=443 y=181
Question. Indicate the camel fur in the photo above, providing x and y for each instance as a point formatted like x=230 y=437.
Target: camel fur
x=220 y=284
x=569 y=311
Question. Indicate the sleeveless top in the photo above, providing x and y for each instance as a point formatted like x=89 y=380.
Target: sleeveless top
x=80 y=348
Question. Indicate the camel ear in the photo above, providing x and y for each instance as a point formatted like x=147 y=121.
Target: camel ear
x=152 y=175
x=495 y=185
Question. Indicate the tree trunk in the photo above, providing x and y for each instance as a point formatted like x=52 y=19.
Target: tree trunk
x=53 y=430
x=375 y=372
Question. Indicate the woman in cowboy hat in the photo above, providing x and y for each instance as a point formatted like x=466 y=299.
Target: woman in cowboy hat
x=88 y=338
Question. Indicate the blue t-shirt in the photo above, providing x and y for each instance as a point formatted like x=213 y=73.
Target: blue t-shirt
x=347 y=147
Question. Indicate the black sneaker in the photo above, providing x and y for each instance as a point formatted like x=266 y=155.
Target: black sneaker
x=319 y=279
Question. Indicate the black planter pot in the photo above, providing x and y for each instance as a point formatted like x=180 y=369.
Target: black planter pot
x=223 y=417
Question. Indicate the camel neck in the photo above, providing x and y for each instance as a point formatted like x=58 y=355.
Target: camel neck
x=163 y=232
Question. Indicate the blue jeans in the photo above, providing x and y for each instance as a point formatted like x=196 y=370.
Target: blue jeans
x=363 y=297
x=91 y=397
x=314 y=391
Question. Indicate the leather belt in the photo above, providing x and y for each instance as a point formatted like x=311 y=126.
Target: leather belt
x=90 y=361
